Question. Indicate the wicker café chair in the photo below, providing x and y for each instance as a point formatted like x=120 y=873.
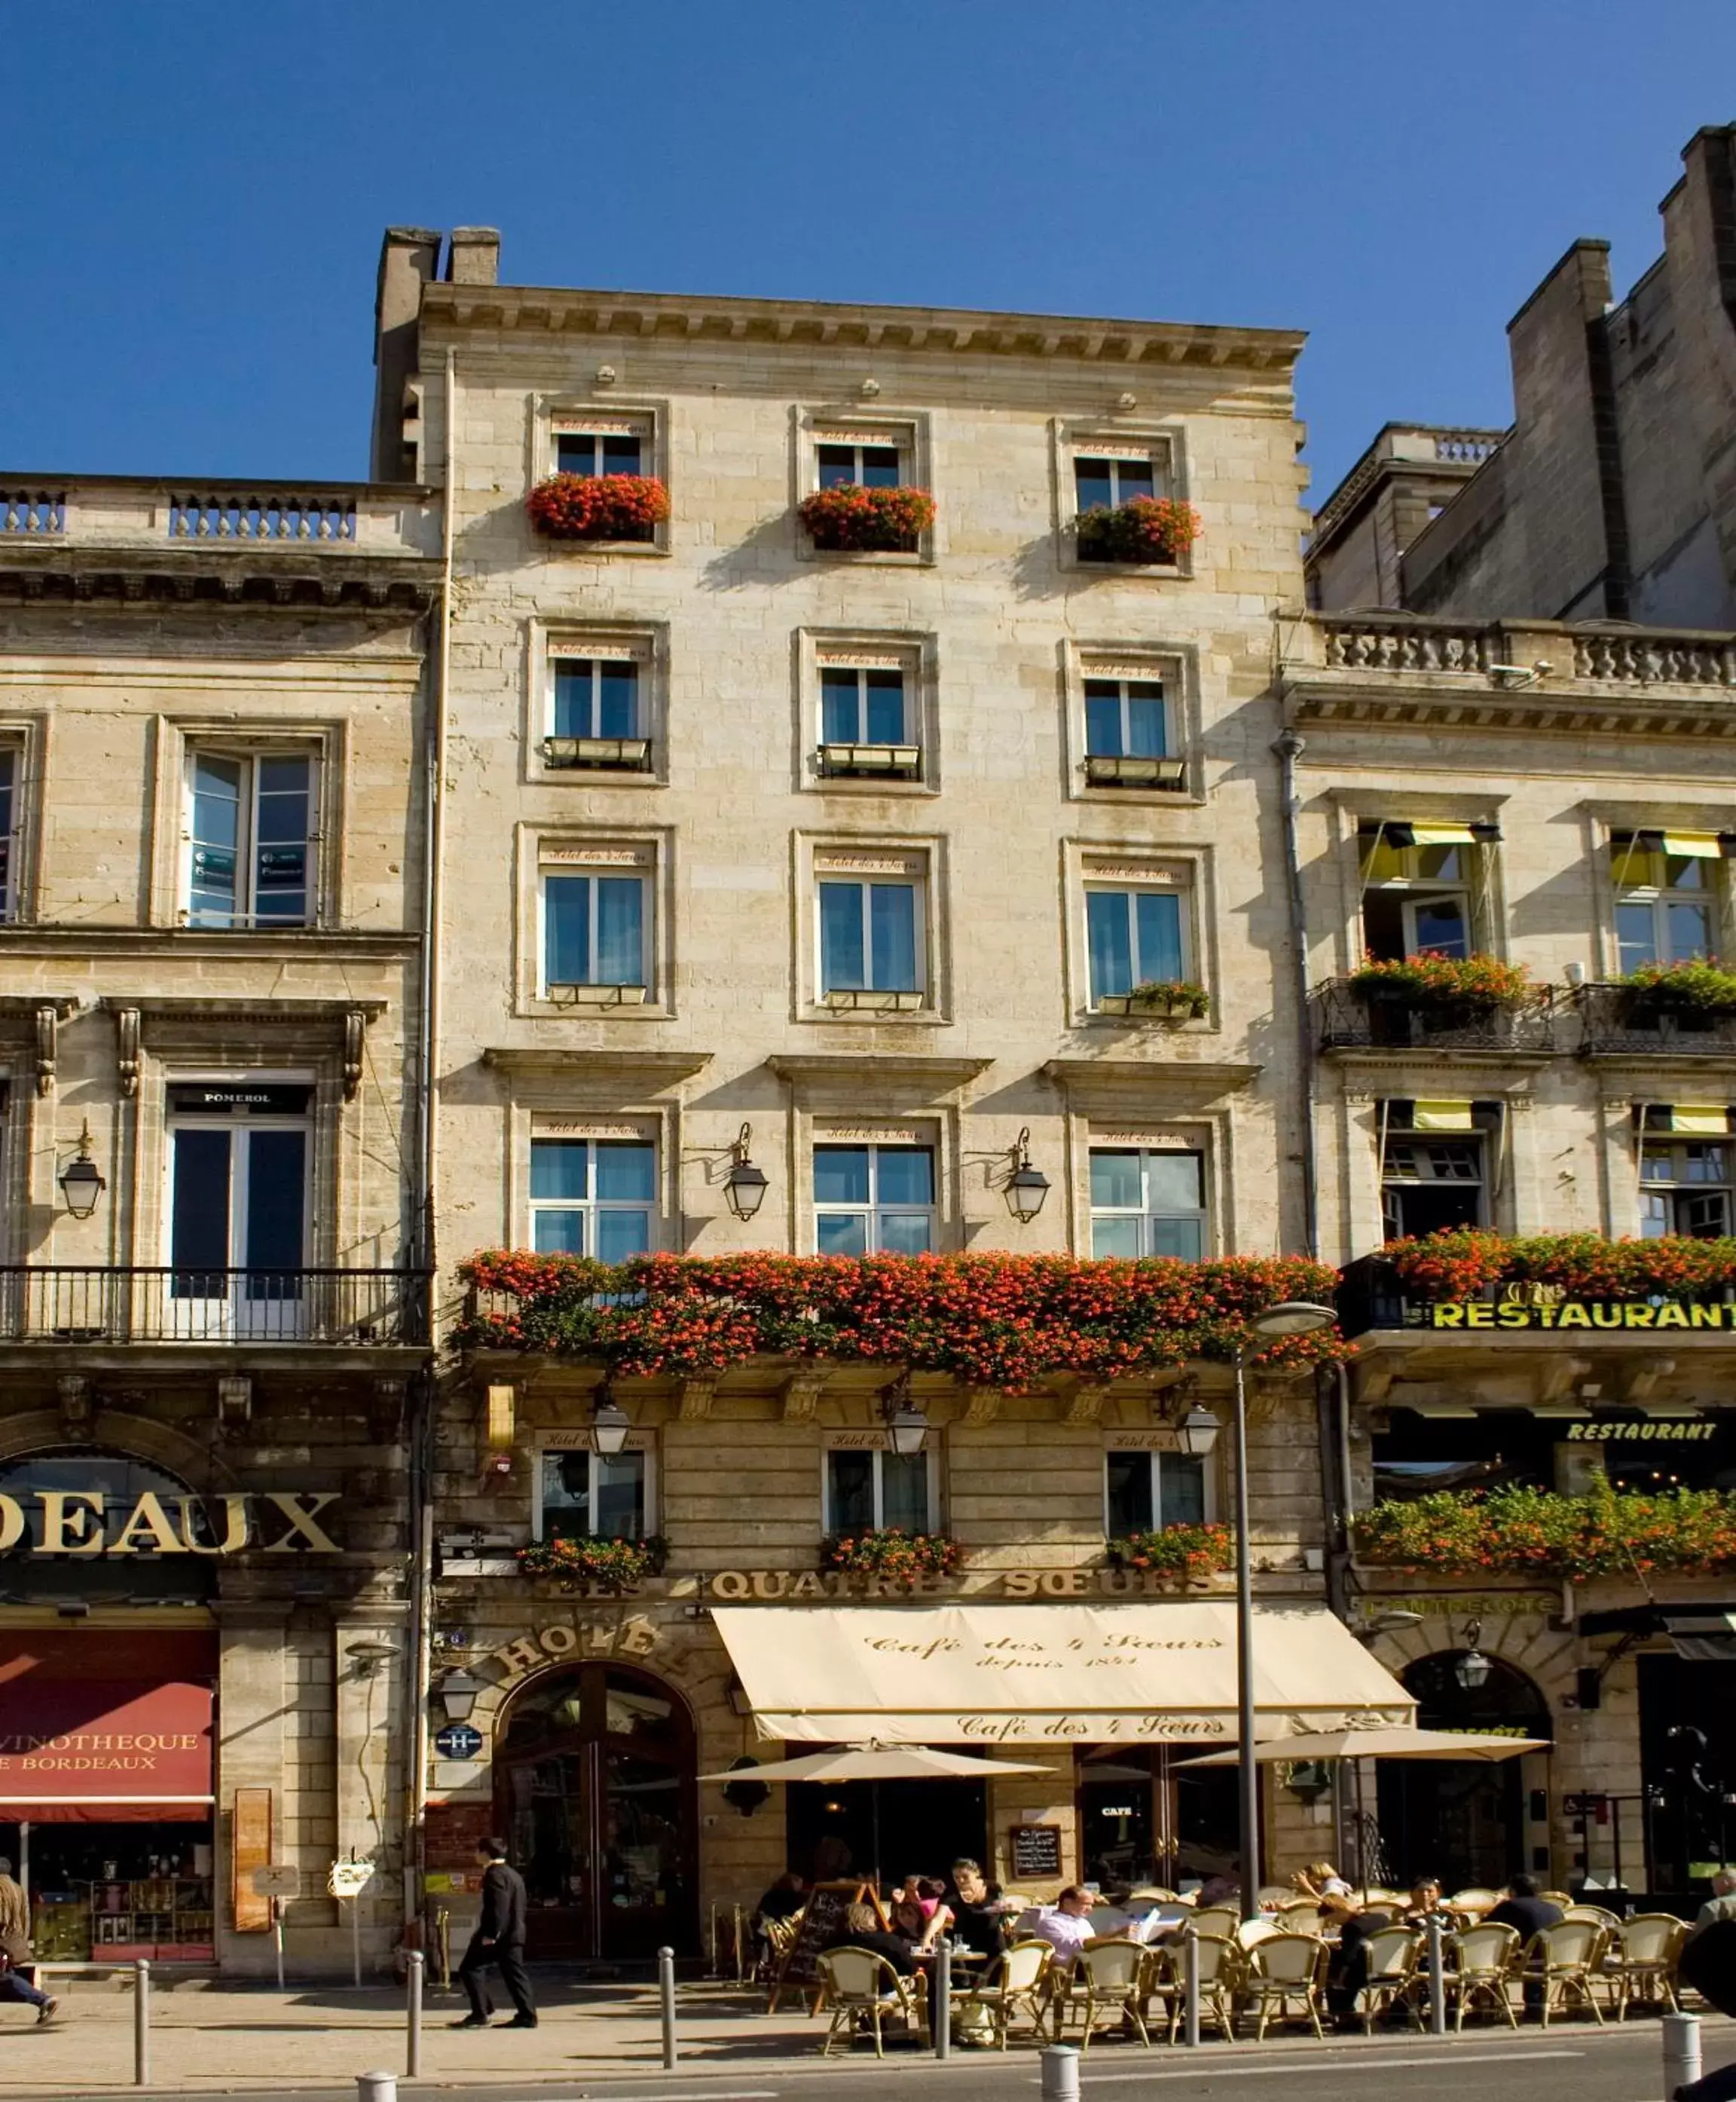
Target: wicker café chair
x=1485 y=1959
x=1568 y=1956
x=1019 y=1984
x=1222 y=1963
x=1215 y=1919
x=863 y=1987
x=1282 y=1968
x=1394 y=1955
x=1640 y=1963
x=1598 y=1915
x=1107 y=1983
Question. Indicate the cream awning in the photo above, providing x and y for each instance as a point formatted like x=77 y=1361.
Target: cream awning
x=1151 y=1673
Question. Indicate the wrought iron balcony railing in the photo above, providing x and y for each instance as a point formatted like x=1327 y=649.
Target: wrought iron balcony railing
x=341 y=1309
x=1615 y=1019
x=1350 y=1017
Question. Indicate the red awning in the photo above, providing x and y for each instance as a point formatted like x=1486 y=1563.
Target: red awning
x=99 y=1749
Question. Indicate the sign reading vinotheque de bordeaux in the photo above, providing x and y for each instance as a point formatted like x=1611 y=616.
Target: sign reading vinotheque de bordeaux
x=91 y=1522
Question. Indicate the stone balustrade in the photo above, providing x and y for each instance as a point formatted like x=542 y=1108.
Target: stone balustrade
x=1538 y=654
x=36 y=511
x=112 y=511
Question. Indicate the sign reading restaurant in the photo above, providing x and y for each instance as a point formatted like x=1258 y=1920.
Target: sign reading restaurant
x=91 y=1521
x=1578 y=1313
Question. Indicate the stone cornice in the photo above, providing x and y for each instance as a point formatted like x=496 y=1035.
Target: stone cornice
x=1150 y=1083
x=306 y=945
x=1464 y=701
x=805 y=323
x=201 y=575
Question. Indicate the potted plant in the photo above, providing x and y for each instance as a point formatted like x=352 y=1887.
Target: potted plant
x=598 y=507
x=1145 y=529
x=890 y=1551
x=1702 y=989
x=589 y=1562
x=849 y=519
x=1429 y=980
x=1177 y=1000
x=1189 y=1553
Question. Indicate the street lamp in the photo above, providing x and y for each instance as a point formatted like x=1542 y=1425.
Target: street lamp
x=610 y=1423
x=1472 y=1669
x=456 y=1693
x=1290 y=1317
x=1196 y=1434
x=81 y=1182
x=906 y=1426
x=1027 y=1187
x=745 y=1185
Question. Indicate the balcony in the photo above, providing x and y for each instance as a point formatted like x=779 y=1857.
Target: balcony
x=1616 y=1022
x=1352 y=1018
x=893 y=762
x=1105 y=770
x=340 y=1309
x=607 y=755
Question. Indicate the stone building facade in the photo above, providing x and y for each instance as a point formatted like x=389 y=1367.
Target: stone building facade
x=214 y=1331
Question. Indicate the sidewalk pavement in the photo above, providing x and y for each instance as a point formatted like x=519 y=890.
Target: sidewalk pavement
x=207 y=2038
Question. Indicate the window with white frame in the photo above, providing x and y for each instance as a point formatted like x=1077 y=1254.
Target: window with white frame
x=250 y=839
x=594 y=697
x=600 y=452
x=863 y=704
x=875 y=1200
x=1137 y=934
x=596 y=931
x=838 y=462
x=867 y=1490
x=1419 y=886
x=1144 y=1491
x=870 y=938
x=1666 y=887
x=593 y=1495
x=1126 y=719
x=595 y=1197
x=1434 y=1165
x=1685 y=1158
x=1105 y=477
x=1147 y=1201
x=9 y=772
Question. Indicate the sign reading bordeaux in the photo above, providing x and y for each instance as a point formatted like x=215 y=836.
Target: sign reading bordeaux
x=88 y=1522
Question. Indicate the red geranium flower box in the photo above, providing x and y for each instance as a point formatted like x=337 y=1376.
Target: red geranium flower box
x=1145 y=529
x=849 y=519
x=591 y=506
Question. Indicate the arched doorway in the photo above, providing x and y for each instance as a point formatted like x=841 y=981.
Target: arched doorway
x=594 y=1785
x=1461 y=1819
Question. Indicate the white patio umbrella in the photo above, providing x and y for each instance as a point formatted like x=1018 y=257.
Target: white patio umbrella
x=875 y=1763
x=1397 y=1743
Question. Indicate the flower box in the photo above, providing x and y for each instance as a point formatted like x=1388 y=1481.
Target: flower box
x=1466 y=1261
x=1679 y=989
x=890 y=1551
x=855 y=1000
x=1521 y=1531
x=1148 y=531
x=849 y=519
x=598 y=995
x=591 y=1562
x=1168 y=1000
x=598 y=507
x=627 y=754
x=1468 y=984
x=1190 y=1554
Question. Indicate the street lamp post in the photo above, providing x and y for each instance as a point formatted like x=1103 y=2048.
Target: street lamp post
x=1292 y=1317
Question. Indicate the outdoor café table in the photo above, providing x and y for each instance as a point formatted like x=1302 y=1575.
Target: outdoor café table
x=969 y=1959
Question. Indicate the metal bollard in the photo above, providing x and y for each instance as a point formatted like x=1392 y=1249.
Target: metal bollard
x=1190 y=1986
x=142 y=2024
x=1437 y=1975
x=666 y=1991
x=940 y=2014
x=1681 y=2052
x=413 y=2014
x=1060 y=2072
x=376 y=2087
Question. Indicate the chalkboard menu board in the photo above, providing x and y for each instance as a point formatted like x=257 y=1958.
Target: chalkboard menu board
x=1036 y=1852
x=822 y=1922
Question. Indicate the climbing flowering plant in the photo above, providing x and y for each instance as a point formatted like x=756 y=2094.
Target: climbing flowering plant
x=1430 y=979
x=1523 y=1531
x=1190 y=1553
x=987 y=1320
x=598 y=507
x=850 y=519
x=1463 y=1262
x=592 y=1562
x=1145 y=529
x=890 y=1551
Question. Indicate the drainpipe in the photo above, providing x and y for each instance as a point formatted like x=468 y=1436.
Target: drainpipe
x=1289 y=748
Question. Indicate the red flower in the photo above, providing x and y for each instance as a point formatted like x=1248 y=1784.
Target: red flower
x=850 y=519
x=1145 y=529
x=610 y=507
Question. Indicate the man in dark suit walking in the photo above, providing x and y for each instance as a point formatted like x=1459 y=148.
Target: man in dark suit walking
x=499 y=1937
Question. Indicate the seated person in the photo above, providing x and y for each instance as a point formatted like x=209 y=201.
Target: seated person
x=977 y=1908
x=786 y=1897
x=1523 y=1908
x=1425 y=1898
x=1347 y=1966
x=1065 y=1924
x=1319 y=1879
x=861 y=1929
x=922 y=1932
x=1721 y=1904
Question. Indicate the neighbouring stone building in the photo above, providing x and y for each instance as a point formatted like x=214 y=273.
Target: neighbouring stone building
x=213 y=1328
x=1614 y=495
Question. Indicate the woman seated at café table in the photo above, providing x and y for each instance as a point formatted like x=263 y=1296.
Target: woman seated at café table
x=1319 y=1880
x=921 y=1929
x=861 y=1929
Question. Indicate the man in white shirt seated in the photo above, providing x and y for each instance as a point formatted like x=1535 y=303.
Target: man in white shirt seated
x=1066 y=1924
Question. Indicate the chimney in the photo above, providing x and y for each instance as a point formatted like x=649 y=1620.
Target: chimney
x=408 y=257
x=474 y=256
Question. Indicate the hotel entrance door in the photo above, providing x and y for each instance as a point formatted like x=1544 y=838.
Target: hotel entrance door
x=595 y=1788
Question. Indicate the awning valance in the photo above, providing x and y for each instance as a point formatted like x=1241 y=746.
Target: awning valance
x=74 y=1749
x=1150 y=1673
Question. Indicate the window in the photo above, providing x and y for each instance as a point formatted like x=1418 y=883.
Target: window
x=238 y=1207
x=594 y=696
x=1417 y=883
x=1145 y=1491
x=1664 y=896
x=592 y=1197
x=1133 y=937
x=869 y=939
x=8 y=821
x=592 y=1495
x=868 y=467
x=598 y=452
x=1433 y=1168
x=861 y=705
x=594 y=932
x=866 y=1490
x=250 y=839
x=874 y=1200
x=1103 y=482
x=1146 y=1202
x=1684 y=1183
x=1126 y=719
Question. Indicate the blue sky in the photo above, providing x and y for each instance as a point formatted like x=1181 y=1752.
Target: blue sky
x=195 y=193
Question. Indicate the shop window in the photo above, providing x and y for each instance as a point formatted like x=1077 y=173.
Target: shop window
x=1666 y=887
x=1686 y=1181
x=865 y=1490
x=870 y=941
x=1434 y=1163
x=1142 y=1490
x=593 y=1197
x=239 y=1208
x=595 y=935
x=1134 y=936
x=1147 y=1202
x=875 y=1201
x=250 y=839
x=837 y=464
x=1422 y=887
x=592 y=1495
